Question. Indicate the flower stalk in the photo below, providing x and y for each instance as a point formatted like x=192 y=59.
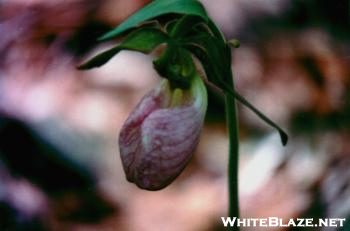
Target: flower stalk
x=233 y=159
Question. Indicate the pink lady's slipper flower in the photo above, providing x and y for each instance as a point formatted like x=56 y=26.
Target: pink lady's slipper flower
x=161 y=134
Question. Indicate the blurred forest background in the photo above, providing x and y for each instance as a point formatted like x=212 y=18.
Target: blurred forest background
x=59 y=162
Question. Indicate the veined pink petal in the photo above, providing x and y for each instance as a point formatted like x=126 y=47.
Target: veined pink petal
x=161 y=134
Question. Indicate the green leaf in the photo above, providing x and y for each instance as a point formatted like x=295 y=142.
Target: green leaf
x=213 y=54
x=155 y=9
x=169 y=26
x=184 y=25
x=143 y=40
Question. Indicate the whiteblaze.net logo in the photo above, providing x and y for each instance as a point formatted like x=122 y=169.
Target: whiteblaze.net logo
x=275 y=222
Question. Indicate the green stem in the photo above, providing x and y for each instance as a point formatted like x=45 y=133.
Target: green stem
x=232 y=125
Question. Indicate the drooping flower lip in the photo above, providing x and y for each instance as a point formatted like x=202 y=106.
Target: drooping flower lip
x=161 y=134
